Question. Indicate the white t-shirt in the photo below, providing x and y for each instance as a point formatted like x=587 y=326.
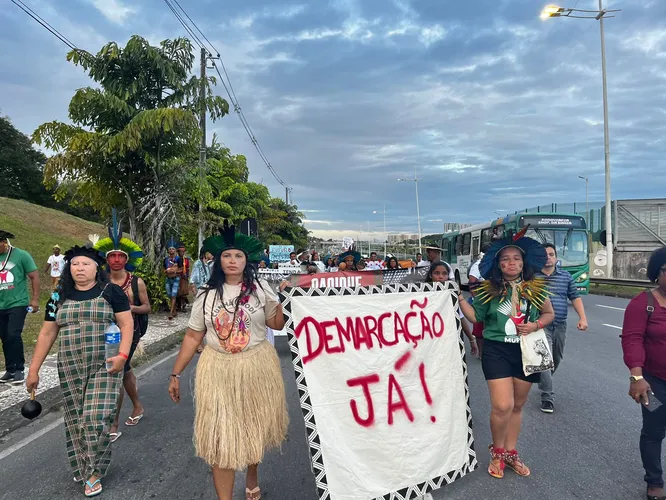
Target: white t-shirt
x=226 y=334
x=474 y=270
x=423 y=263
x=374 y=265
x=57 y=263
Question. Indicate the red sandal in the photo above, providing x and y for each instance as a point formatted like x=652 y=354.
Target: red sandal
x=496 y=466
x=514 y=462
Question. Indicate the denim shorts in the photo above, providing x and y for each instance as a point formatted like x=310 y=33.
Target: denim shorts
x=172 y=286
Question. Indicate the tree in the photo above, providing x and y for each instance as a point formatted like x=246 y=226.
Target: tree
x=282 y=224
x=128 y=133
x=20 y=166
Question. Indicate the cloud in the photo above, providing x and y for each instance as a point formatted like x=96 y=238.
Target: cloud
x=114 y=10
x=491 y=106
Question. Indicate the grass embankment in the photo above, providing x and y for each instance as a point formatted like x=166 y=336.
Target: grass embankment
x=36 y=230
x=626 y=292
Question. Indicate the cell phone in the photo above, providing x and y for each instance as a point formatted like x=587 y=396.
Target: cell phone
x=654 y=403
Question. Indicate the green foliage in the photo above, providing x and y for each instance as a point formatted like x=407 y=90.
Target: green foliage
x=129 y=132
x=155 y=286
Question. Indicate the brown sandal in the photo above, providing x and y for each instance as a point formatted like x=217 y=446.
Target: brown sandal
x=514 y=462
x=254 y=494
x=496 y=466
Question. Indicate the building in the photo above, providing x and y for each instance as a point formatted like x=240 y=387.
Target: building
x=400 y=238
x=454 y=226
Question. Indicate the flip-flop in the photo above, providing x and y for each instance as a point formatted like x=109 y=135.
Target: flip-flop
x=114 y=436
x=91 y=486
x=132 y=421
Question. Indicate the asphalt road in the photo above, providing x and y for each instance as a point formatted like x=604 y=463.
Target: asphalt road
x=587 y=449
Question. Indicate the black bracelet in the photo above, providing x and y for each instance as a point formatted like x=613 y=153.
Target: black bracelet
x=174 y=375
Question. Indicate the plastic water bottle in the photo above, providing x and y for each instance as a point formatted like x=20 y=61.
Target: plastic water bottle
x=29 y=309
x=111 y=343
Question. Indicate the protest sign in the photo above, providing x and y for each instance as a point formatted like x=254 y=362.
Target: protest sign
x=280 y=253
x=383 y=388
x=351 y=279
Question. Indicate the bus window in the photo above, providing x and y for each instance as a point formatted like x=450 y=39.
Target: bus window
x=486 y=237
x=475 y=246
x=498 y=232
x=459 y=245
x=467 y=240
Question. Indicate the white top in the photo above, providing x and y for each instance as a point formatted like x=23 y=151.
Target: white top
x=474 y=270
x=226 y=334
x=423 y=263
x=57 y=264
x=374 y=265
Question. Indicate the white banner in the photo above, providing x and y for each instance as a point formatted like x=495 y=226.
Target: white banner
x=383 y=388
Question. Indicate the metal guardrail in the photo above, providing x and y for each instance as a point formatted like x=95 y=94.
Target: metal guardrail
x=622 y=282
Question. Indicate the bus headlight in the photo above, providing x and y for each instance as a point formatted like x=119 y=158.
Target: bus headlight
x=581 y=278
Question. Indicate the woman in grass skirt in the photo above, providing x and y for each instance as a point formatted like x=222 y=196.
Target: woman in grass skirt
x=240 y=404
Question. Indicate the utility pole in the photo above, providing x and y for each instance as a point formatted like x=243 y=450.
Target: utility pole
x=202 y=147
x=608 y=214
x=286 y=195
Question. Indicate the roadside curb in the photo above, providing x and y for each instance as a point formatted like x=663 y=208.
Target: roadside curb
x=619 y=295
x=51 y=399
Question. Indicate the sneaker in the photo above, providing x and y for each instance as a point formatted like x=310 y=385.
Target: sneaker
x=18 y=378
x=547 y=406
x=6 y=378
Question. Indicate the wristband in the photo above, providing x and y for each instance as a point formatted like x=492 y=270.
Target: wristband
x=539 y=324
x=123 y=355
x=174 y=375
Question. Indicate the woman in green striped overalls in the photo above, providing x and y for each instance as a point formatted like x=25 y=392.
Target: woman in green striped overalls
x=79 y=312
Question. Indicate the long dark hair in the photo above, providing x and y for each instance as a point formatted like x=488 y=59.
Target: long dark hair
x=218 y=278
x=397 y=264
x=434 y=266
x=496 y=278
x=66 y=286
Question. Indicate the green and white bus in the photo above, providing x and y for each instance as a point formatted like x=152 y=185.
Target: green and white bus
x=567 y=232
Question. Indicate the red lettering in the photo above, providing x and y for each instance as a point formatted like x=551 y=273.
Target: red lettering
x=425 y=326
x=438 y=329
x=362 y=336
x=428 y=397
x=403 y=359
x=305 y=324
x=408 y=336
x=371 y=327
x=401 y=404
x=347 y=334
x=416 y=303
x=328 y=338
x=383 y=340
x=365 y=383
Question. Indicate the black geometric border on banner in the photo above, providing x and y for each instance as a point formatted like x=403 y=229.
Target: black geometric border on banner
x=317 y=460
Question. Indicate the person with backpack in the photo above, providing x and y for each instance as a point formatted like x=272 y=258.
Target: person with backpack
x=644 y=349
x=123 y=256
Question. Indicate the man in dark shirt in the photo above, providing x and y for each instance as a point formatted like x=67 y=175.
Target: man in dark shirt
x=562 y=287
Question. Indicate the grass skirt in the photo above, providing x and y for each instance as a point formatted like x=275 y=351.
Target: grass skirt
x=240 y=404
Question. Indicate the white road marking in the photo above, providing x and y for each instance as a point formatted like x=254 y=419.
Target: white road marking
x=611 y=307
x=613 y=326
x=23 y=443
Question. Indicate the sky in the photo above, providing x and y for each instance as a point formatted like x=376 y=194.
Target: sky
x=492 y=108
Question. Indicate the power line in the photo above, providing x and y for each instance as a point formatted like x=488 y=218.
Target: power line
x=228 y=87
x=184 y=24
x=44 y=24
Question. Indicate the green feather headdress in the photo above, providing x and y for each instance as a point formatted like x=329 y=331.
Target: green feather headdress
x=116 y=243
x=229 y=239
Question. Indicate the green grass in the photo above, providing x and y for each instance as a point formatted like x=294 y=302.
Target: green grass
x=36 y=230
x=627 y=292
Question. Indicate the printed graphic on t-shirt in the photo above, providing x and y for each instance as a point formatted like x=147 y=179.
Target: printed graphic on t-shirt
x=7 y=277
x=511 y=322
x=233 y=334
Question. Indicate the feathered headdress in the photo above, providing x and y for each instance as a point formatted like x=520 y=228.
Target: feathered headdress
x=5 y=235
x=229 y=239
x=116 y=243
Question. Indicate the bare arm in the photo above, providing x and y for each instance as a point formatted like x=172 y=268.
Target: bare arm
x=144 y=308
x=467 y=309
x=125 y=322
x=47 y=337
x=276 y=322
x=189 y=346
x=580 y=310
x=34 y=280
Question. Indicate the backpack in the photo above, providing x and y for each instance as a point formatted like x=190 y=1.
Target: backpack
x=140 y=320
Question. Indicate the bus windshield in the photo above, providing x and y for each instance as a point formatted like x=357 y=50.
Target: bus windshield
x=575 y=253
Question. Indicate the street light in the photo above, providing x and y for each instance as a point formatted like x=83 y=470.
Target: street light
x=418 y=212
x=587 y=205
x=555 y=11
x=385 y=235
